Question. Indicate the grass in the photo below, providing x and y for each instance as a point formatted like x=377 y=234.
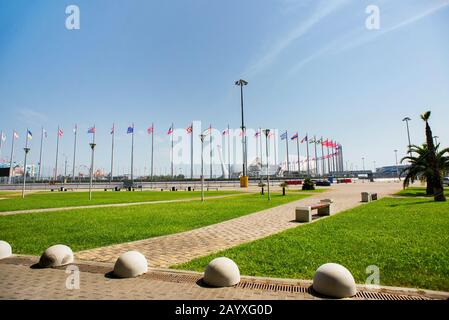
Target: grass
x=46 y=199
x=418 y=192
x=89 y=228
x=406 y=238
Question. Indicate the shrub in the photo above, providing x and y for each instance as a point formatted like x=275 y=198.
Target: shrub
x=308 y=184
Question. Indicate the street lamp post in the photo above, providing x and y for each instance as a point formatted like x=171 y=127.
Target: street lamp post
x=363 y=163
x=407 y=119
x=26 y=149
x=436 y=141
x=92 y=146
x=242 y=83
x=202 y=136
x=397 y=167
x=267 y=132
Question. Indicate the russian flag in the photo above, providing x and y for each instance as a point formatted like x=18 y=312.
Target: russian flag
x=295 y=136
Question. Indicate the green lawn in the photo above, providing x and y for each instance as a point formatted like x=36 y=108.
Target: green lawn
x=96 y=227
x=48 y=199
x=418 y=192
x=407 y=239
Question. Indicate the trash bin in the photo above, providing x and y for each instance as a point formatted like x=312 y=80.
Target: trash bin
x=189 y=188
x=330 y=179
x=173 y=189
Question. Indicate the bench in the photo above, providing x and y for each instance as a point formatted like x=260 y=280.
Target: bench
x=368 y=197
x=304 y=214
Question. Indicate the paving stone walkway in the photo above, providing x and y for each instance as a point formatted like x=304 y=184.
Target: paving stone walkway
x=20 y=280
x=174 y=249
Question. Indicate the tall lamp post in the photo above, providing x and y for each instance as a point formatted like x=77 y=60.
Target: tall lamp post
x=243 y=181
x=397 y=167
x=202 y=136
x=436 y=141
x=26 y=149
x=267 y=132
x=363 y=163
x=92 y=146
x=407 y=119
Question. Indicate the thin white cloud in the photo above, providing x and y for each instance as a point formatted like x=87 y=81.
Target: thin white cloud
x=323 y=10
x=366 y=37
x=32 y=117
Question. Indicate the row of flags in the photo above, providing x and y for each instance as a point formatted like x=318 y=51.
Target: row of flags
x=189 y=130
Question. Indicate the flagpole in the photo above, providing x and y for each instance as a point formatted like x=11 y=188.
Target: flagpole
x=322 y=157
x=286 y=145
x=334 y=162
x=39 y=176
x=1 y=144
x=316 y=155
x=260 y=151
x=152 y=150
x=132 y=157
x=297 y=150
x=275 y=149
x=308 y=158
x=12 y=156
x=92 y=145
x=172 y=155
x=74 y=152
x=191 y=151
x=57 y=151
x=210 y=149
x=26 y=149
x=229 y=154
x=111 y=177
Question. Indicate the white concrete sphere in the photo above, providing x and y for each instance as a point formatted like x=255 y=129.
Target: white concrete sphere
x=5 y=249
x=56 y=256
x=130 y=264
x=222 y=272
x=334 y=280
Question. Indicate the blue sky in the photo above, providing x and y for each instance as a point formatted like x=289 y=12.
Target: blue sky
x=311 y=65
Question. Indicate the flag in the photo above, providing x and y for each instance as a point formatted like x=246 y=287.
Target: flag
x=75 y=129
x=29 y=135
x=150 y=130
x=189 y=129
x=3 y=137
x=170 y=130
x=257 y=134
x=284 y=135
x=91 y=130
x=15 y=135
x=60 y=132
x=241 y=133
x=319 y=141
x=312 y=140
x=325 y=143
x=113 y=128
x=226 y=132
x=270 y=134
x=130 y=129
x=295 y=136
x=45 y=133
x=304 y=139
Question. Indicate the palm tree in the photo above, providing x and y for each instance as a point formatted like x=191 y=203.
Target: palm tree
x=438 y=190
x=420 y=168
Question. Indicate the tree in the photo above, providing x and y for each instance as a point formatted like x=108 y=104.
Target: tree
x=438 y=190
x=420 y=168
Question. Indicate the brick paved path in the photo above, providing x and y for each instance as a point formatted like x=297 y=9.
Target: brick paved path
x=19 y=281
x=173 y=249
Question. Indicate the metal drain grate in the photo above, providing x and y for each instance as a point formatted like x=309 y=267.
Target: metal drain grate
x=173 y=277
x=369 y=295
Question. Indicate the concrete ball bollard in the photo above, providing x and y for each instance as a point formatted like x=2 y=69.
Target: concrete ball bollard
x=222 y=272
x=56 y=256
x=5 y=249
x=334 y=280
x=131 y=264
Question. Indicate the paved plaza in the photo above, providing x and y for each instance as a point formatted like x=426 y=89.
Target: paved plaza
x=20 y=279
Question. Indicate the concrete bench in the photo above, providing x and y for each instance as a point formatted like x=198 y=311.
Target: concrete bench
x=304 y=214
x=368 y=197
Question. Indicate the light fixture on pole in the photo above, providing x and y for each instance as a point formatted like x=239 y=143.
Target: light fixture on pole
x=92 y=146
x=436 y=141
x=267 y=132
x=397 y=167
x=363 y=163
x=202 y=136
x=407 y=119
x=244 y=178
x=26 y=149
